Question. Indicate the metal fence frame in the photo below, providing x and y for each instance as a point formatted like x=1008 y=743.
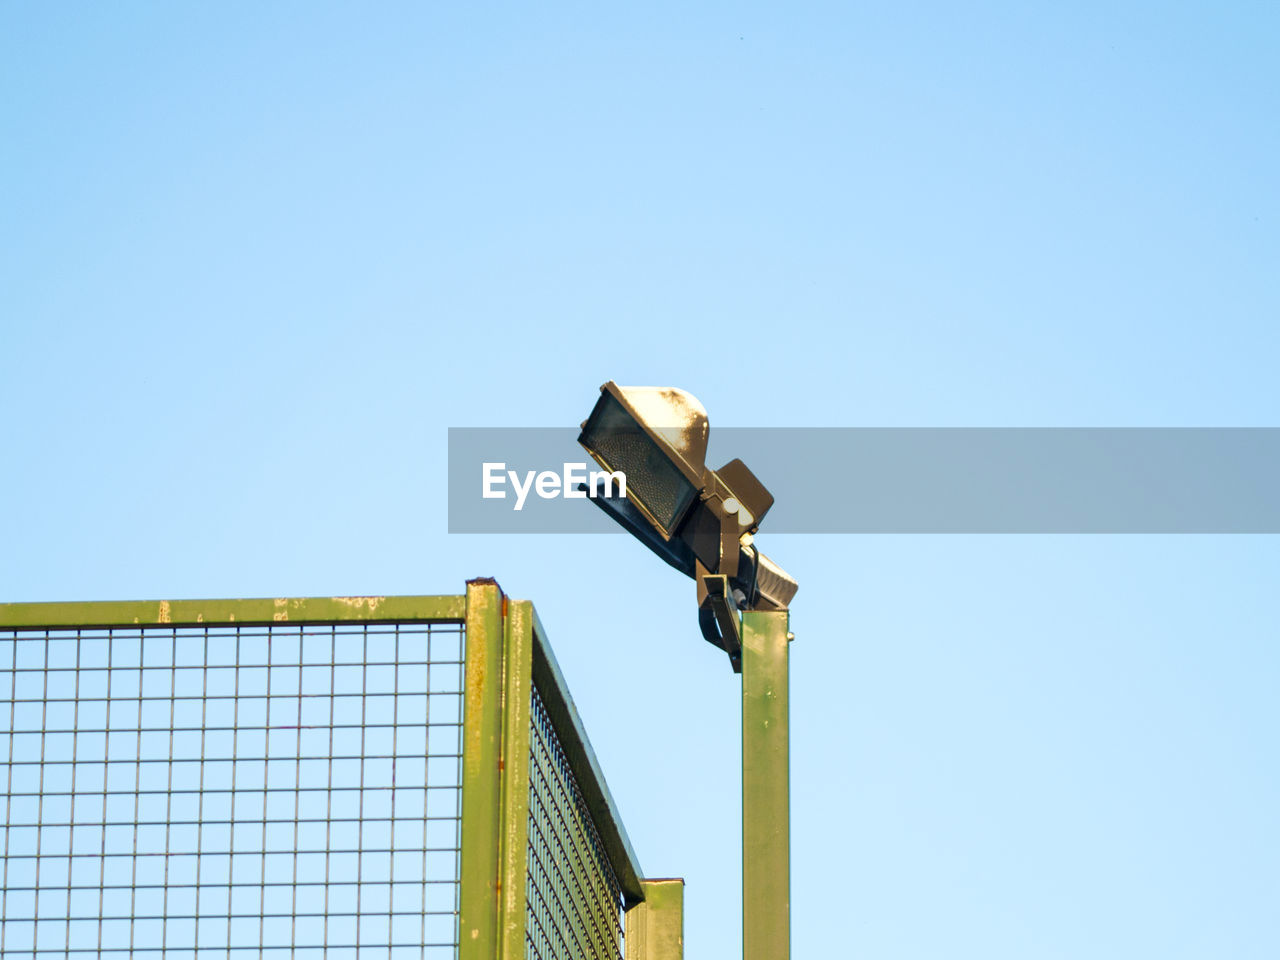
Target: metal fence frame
x=507 y=657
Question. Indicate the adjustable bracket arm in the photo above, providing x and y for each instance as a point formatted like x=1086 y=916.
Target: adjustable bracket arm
x=718 y=615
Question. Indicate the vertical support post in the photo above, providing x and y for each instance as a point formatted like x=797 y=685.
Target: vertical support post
x=517 y=707
x=655 y=926
x=495 y=774
x=481 y=775
x=766 y=813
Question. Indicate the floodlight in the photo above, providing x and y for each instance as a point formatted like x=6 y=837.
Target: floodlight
x=700 y=521
x=652 y=441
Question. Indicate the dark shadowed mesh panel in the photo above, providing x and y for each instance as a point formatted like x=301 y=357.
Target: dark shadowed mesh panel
x=283 y=791
x=574 y=901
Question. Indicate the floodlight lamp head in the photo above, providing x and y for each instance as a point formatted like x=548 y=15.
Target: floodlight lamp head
x=653 y=443
x=657 y=438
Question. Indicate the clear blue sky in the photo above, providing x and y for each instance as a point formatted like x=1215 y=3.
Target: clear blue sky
x=256 y=259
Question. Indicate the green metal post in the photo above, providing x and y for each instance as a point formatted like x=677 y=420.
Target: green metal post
x=517 y=706
x=766 y=814
x=655 y=926
x=495 y=778
x=481 y=773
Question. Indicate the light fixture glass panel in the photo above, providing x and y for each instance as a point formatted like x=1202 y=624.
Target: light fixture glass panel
x=655 y=484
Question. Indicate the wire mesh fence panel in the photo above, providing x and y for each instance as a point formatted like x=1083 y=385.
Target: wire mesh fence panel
x=574 y=901
x=288 y=791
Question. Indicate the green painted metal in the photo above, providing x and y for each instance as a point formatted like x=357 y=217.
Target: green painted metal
x=577 y=747
x=655 y=928
x=249 y=611
x=766 y=816
x=481 y=773
x=507 y=655
x=517 y=669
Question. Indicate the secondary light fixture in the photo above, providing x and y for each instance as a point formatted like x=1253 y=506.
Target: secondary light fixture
x=700 y=521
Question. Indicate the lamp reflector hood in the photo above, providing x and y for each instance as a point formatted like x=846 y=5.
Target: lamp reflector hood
x=675 y=417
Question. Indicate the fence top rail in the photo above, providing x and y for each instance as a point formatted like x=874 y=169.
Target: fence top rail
x=248 y=612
